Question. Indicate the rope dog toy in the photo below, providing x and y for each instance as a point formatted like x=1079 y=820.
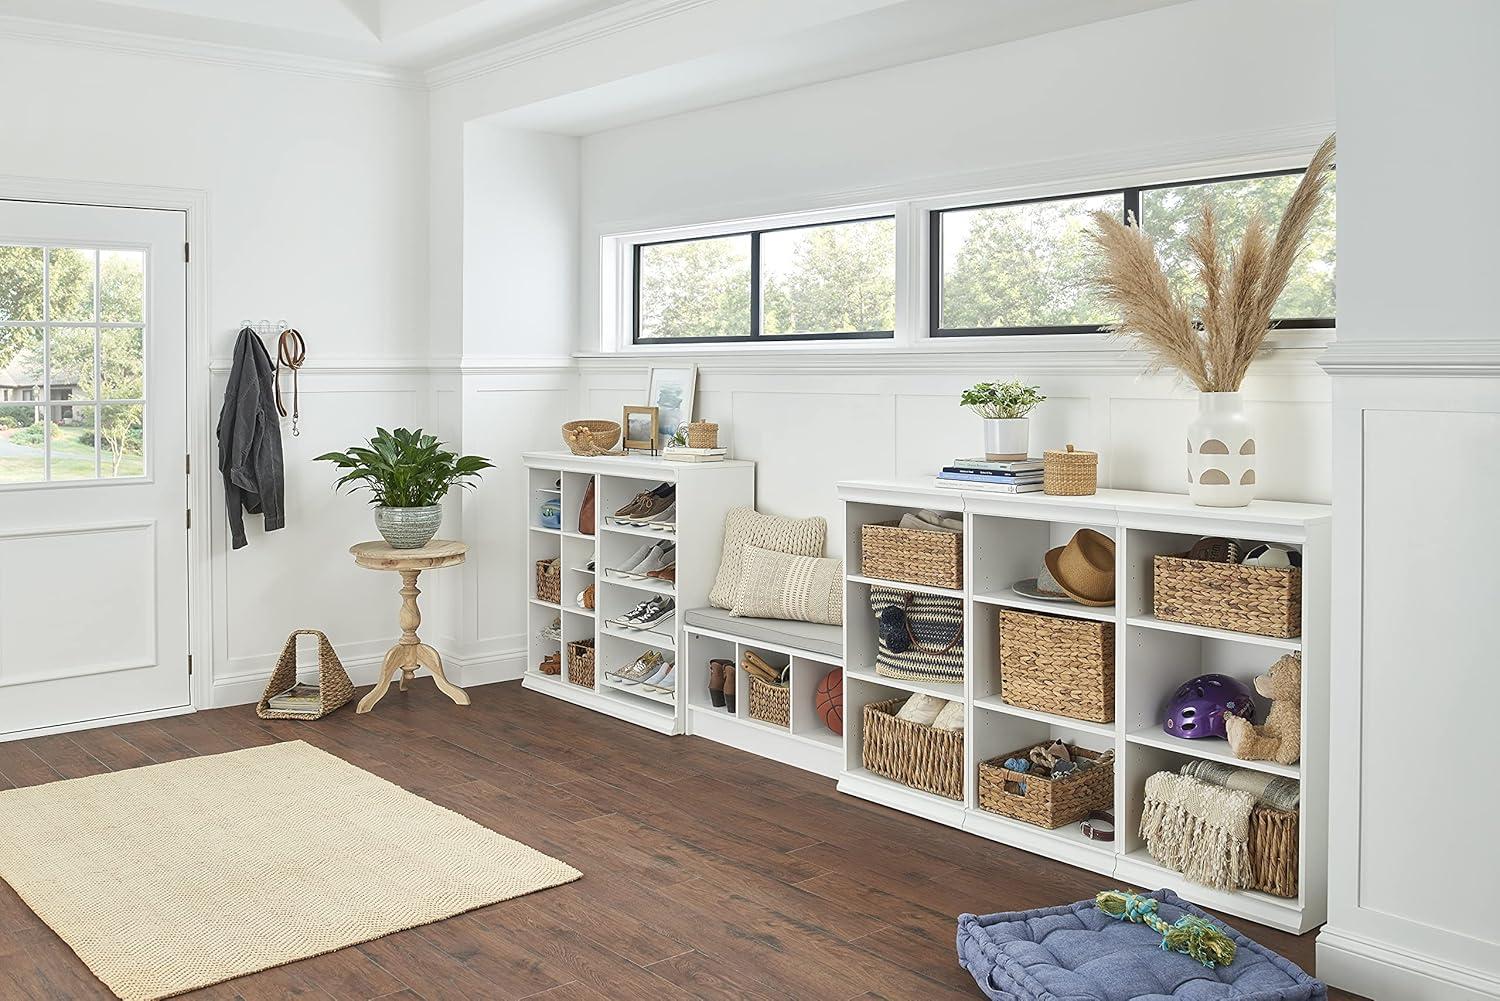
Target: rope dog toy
x=1189 y=934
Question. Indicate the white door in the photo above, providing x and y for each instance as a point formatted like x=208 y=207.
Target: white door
x=93 y=480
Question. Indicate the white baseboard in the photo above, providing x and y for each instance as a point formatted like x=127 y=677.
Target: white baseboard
x=1385 y=972
x=466 y=670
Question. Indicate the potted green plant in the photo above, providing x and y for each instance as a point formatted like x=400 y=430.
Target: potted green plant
x=408 y=473
x=1004 y=406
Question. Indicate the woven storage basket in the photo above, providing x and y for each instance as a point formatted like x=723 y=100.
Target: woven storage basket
x=581 y=664
x=1266 y=601
x=770 y=703
x=1058 y=665
x=334 y=686
x=1046 y=802
x=919 y=756
x=702 y=434
x=1070 y=473
x=600 y=439
x=1273 y=851
x=912 y=555
x=549 y=581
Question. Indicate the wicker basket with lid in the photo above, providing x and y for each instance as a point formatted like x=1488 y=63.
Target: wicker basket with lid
x=1070 y=472
x=702 y=434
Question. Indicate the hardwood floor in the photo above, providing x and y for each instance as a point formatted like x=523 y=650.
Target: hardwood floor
x=708 y=873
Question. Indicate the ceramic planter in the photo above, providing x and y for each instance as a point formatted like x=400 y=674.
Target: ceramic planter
x=1006 y=440
x=408 y=527
x=1221 y=452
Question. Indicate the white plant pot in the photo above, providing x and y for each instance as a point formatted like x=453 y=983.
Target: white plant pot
x=1221 y=452
x=1006 y=439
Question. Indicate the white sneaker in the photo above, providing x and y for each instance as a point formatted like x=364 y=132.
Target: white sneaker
x=647 y=665
x=624 y=568
x=665 y=678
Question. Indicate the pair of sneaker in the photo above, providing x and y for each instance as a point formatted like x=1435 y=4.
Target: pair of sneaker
x=646 y=614
x=650 y=670
x=653 y=559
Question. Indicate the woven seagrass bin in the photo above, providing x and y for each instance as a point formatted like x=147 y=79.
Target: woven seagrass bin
x=1046 y=802
x=581 y=664
x=590 y=437
x=702 y=434
x=1058 y=665
x=549 y=581
x=919 y=756
x=334 y=686
x=1266 y=601
x=1070 y=473
x=1273 y=851
x=912 y=555
x=770 y=703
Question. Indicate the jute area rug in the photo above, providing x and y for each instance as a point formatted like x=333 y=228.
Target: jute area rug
x=172 y=877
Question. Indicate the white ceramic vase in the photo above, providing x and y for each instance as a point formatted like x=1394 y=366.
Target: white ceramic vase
x=1006 y=439
x=1221 y=452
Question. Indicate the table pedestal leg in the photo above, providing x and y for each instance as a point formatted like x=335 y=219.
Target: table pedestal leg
x=410 y=654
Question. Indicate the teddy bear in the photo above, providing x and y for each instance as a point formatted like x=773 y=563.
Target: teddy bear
x=1279 y=738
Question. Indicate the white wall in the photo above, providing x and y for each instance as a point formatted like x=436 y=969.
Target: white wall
x=316 y=214
x=1413 y=876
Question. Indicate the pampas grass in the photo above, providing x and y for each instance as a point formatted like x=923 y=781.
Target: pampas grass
x=1240 y=289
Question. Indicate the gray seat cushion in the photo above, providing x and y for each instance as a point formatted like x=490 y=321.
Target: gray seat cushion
x=1078 y=953
x=809 y=636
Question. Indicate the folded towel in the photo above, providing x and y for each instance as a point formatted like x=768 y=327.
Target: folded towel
x=1274 y=791
x=1201 y=830
x=931 y=521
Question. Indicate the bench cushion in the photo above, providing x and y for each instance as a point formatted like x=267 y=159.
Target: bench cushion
x=1078 y=953
x=811 y=637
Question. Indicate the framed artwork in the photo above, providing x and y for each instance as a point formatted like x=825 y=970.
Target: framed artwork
x=641 y=426
x=671 y=393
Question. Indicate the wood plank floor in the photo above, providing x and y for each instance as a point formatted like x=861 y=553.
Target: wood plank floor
x=708 y=873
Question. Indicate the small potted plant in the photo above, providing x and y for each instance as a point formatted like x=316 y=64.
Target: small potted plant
x=1004 y=406
x=408 y=473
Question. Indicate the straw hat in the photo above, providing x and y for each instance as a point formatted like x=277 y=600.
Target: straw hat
x=1085 y=567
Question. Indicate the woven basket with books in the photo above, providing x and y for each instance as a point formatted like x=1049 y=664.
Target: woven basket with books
x=286 y=698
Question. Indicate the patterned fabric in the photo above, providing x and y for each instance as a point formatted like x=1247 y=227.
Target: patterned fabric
x=922 y=709
x=780 y=586
x=745 y=526
x=921 y=635
x=1275 y=791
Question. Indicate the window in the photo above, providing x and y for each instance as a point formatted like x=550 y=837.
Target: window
x=1023 y=267
x=72 y=368
x=821 y=282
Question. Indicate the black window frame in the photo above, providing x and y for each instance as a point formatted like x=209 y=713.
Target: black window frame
x=1132 y=206
x=755 y=336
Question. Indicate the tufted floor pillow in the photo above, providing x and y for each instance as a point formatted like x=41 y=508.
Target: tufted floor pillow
x=1078 y=953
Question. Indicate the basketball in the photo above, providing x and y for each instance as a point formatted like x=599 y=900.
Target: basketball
x=830 y=700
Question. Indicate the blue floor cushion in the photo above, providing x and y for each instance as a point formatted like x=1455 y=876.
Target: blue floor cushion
x=1078 y=953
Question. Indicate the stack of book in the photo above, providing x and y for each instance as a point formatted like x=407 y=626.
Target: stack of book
x=685 y=454
x=1023 y=476
x=301 y=699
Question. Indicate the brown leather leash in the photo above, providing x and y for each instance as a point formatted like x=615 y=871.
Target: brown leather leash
x=291 y=351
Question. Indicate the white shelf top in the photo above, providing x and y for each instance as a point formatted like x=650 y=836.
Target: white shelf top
x=1065 y=609
x=625 y=465
x=1119 y=502
x=1208 y=632
x=1208 y=748
x=953 y=692
x=995 y=704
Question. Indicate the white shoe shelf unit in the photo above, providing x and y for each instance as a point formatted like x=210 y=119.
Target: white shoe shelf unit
x=706 y=492
x=1005 y=537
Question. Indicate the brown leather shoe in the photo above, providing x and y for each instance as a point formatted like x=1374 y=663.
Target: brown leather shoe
x=667 y=573
x=717 y=671
x=729 y=689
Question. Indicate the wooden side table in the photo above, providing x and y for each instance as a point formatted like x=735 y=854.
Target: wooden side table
x=410 y=653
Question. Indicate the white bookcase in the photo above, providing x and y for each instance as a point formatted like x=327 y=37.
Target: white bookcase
x=706 y=491
x=1004 y=539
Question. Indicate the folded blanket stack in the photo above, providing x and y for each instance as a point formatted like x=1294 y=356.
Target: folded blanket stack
x=1201 y=830
x=1275 y=791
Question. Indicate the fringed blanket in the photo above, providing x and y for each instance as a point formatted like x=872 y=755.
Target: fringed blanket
x=1201 y=830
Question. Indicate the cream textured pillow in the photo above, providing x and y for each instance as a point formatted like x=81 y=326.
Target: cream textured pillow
x=921 y=709
x=951 y=717
x=780 y=586
x=745 y=526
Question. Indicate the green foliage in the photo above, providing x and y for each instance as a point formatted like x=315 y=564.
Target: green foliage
x=30 y=435
x=1001 y=400
x=697 y=288
x=840 y=279
x=405 y=468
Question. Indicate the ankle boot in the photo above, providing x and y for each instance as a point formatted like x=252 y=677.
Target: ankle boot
x=729 y=689
x=716 y=672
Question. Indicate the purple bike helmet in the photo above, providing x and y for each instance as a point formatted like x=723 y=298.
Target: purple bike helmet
x=1197 y=708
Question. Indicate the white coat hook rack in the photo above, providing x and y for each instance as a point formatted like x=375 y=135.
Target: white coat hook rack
x=289 y=351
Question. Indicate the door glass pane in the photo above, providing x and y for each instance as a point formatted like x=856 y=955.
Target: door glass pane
x=72 y=442
x=20 y=444
x=122 y=363
x=122 y=283
x=1022 y=265
x=71 y=363
x=833 y=279
x=20 y=283
x=695 y=288
x=71 y=284
x=121 y=440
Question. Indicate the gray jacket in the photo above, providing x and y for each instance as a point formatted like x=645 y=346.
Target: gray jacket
x=250 y=440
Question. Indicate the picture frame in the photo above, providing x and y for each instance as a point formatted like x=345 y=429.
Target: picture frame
x=672 y=390
x=641 y=428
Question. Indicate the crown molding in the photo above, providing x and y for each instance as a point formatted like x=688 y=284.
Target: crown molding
x=1414 y=358
x=213 y=53
x=559 y=38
